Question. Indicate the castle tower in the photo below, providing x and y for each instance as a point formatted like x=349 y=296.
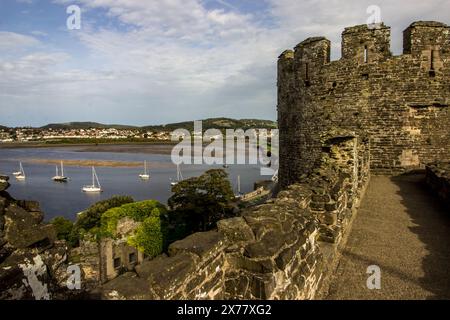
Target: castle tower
x=297 y=74
x=400 y=102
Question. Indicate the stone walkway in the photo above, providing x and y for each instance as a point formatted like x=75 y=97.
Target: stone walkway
x=403 y=229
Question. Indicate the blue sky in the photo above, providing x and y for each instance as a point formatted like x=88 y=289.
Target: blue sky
x=159 y=61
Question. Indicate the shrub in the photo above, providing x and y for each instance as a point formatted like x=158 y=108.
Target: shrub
x=138 y=211
x=90 y=220
x=91 y=217
x=150 y=236
x=63 y=228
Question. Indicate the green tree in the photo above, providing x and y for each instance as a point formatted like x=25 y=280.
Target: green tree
x=63 y=228
x=138 y=211
x=198 y=203
x=150 y=236
x=90 y=219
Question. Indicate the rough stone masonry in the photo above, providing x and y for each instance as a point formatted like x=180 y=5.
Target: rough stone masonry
x=336 y=120
x=401 y=102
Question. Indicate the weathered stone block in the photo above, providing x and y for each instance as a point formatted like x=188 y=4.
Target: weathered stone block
x=4 y=183
x=328 y=218
x=235 y=230
x=22 y=231
x=238 y=288
x=166 y=275
x=30 y=206
x=201 y=244
x=262 y=287
x=268 y=246
x=126 y=287
x=237 y=261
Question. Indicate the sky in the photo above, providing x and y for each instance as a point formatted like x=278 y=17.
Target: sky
x=143 y=62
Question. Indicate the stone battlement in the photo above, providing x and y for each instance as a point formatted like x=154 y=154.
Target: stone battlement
x=283 y=249
x=400 y=102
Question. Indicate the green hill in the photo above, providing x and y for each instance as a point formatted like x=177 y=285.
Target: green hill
x=85 y=125
x=212 y=123
x=217 y=123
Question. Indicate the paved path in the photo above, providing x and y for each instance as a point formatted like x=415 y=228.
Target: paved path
x=404 y=230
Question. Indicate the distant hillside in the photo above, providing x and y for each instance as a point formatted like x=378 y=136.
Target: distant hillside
x=85 y=125
x=3 y=128
x=216 y=123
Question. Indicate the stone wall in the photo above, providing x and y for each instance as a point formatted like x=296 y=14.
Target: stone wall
x=278 y=250
x=401 y=102
x=438 y=179
x=33 y=264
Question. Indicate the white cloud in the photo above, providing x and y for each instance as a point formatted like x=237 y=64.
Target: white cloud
x=39 y=33
x=181 y=59
x=12 y=41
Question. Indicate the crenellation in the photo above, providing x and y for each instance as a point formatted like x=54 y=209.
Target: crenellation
x=364 y=44
x=423 y=36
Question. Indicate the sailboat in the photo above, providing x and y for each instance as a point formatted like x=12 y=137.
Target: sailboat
x=145 y=175
x=94 y=187
x=179 y=176
x=60 y=178
x=21 y=174
x=18 y=173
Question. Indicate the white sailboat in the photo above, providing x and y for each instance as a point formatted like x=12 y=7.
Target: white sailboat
x=179 y=176
x=58 y=177
x=145 y=175
x=21 y=174
x=94 y=187
x=18 y=173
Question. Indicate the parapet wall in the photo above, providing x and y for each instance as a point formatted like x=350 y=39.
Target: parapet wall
x=272 y=251
x=438 y=179
x=401 y=102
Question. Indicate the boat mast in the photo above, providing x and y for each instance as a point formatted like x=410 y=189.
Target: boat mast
x=239 y=184
x=96 y=177
x=62 y=169
x=21 y=169
x=145 y=167
x=57 y=173
x=179 y=175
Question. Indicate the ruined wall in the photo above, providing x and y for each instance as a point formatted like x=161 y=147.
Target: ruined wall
x=33 y=264
x=278 y=250
x=438 y=179
x=401 y=102
x=115 y=256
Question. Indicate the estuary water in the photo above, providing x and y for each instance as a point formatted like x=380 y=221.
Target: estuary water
x=67 y=199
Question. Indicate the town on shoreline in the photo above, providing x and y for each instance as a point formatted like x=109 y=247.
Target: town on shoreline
x=87 y=133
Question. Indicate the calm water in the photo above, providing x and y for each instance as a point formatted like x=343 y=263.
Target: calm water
x=67 y=199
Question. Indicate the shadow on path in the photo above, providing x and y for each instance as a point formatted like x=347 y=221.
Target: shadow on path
x=404 y=229
x=432 y=226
